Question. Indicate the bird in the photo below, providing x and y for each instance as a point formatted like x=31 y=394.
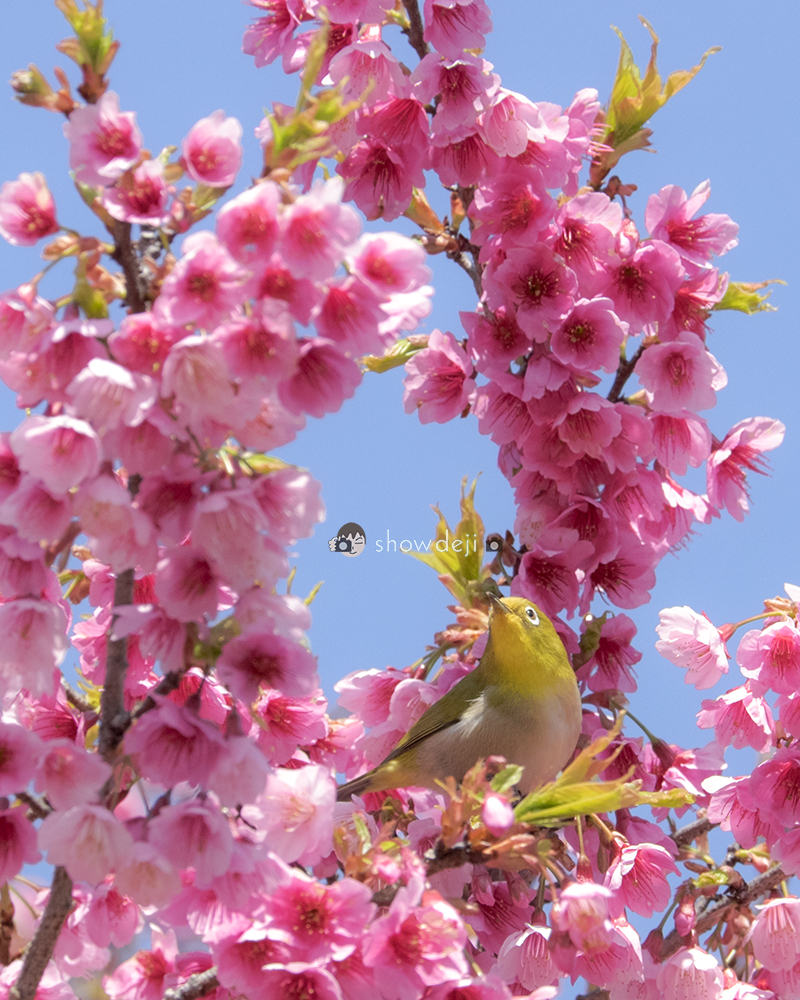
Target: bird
x=521 y=702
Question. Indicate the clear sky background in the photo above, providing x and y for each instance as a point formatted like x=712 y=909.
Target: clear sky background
x=736 y=124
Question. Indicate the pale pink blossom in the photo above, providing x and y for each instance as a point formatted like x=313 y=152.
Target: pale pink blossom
x=319 y=922
x=20 y=751
x=120 y=534
x=47 y=374
x=587 y=226
x=680 y=439
x=259 y=659
x=525 y=958
x=590 y=337
x=668 y=217
x=451 y=26
x=107 y=394
x=317 y=230
x=438 y=386
x=34 y=644
x=144 y=975
x=389 y=262
x=240 y=772
x=212 y=151
x=418 y=943
x=690 y=974
x=87 y=840
x=193 y=834
x=17 y=843
x=775 y=933
x=298 y=979
x=60 y=451
x=142 y=344
x=295 y=811
x=639 y=875
x=204 y=286
x=690 y=640
x=110 y=917
x=248 y=224
x=741 y=450
x=186 y=584
x=739 y=807
x=70 y=775
x=276 y=281
x=583 y=912
x=139 y=195
x=497 y=814
x=323 y=380
x=350 y=316
x=196 y=375
x=25 y=321
x=271 y=35
x=271 y=427
x=488 y=987
x=368 y=70
x=171 y=744
x=290 y=500
x=775 y=785
x=104 y=142
x=739 y=718
x=680 y=375
x=465 y=85
x=27 y=210
x=147 y=877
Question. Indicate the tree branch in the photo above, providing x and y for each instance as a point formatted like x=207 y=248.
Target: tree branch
x=415 y=29
x=198 y=985
x=691 y=832
x=742 y=896
x=464 y=261
x=125 y=256
x=114 y=720
x=40 y=950
x=623 y=374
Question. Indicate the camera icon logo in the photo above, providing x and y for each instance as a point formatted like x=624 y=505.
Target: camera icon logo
x=350 y=540
x=494 y=543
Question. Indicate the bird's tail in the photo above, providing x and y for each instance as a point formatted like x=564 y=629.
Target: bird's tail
x=355 y=787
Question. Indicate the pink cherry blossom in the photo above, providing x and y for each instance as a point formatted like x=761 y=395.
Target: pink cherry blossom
x=644 y=285
x=639 y=874
x=20 y=751
x=461 y=157
x=25 y=321
x=739 y=718
x=34 y=643
x=367 y=69
x=27 y=210
x=259 y=658
x=290 y=500
x=350 y=316
x=111 y=918
x=323 y=380
x=271 y=35
x=582 y=912
x=378 y=180
x=771 y=657
x=203 y=287
x=690 y=974
x=737 y=806
x=106 y=394
x=511 y=209
x=590 y=337
x=668 y=217
x=472 y=988
x=17 y=842
x=451 y=26
x=60 y=451
x=438 y=386
x=140 y=195
x=298 y=979
x=525 y=958
x=193 y=834
x=626 y=577
x=680 y=439
x=541 y=288
x=104 y=141
x=776 y=783
x=141 y=344
x=497 y=814
x=680 y=375
x=465 y=86
x=610 y=666
x=87 y=840
x=316 y=231
x=48 y=373
x=171 y=744
x=741 y=450
x=296 y=812
x=248 y=224
x=147 y=877
x=186 y=584
x=142 y=977
x=212 y=151
x=689 y=640
x=240 y=773
x=70 y=775
x=497 y=342
x=389 y=263
x=120 y=534
x=775 y=934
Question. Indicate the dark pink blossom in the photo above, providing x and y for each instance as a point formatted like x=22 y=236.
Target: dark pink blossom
x=142 y=977
x=612 y=661
x=139 y=195
x=437 y=386
x=533 y=281
x=111 y=918
x=586 y=230
x=171 y=744
x=297 y=979
x=494 y=343
x=270 y=36
x=378 y=180
x=248 y=224
x=186 y=584
x=639 y=874
x=142 y=344
x=368 y=70
x=212 y=151
x=668 y=217
x=740 y=452
x=771 y=657
x=258 y=659
x=389 y=263
x=510 y=209
x=681 y=374
x=69 y=774
x=680 y=439
x=590 y=337
x=20 y=751
x=316 y=231
x=588 y=424
x=465 y=86
x=644 y=285
x=27 y=210
x=104 y=142
x=120 y=534
x=350 y=316
x=627 y=577
x=17 y=843
x=461 y=156
x=451 y=26
x=324 y=379
x=694 y=302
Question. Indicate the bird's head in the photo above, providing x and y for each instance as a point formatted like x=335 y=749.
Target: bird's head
x=523 y=638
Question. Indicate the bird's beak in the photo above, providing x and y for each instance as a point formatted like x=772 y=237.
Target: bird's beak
x=497 y=605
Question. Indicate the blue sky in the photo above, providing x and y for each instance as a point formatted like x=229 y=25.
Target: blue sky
x=735 y=123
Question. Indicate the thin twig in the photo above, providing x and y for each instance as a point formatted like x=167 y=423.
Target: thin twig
x=125 y=256
x=743 y=896
x=114 y=719
x=40 y=950
x=198 y=985
x=691 y=832
x=37 y=807
x=468 y=264
x=624 y=372
x=169 y=683
x=415 y=29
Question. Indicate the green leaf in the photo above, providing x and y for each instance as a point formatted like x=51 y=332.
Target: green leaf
x=506 y=779
x=590 y=641
x=743 y=296
x=397 y=355
x=93 y=45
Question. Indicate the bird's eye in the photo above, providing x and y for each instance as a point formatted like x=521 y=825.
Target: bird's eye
x=531 y=613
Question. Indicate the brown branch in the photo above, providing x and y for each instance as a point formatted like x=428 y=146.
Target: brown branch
x=40 y=950
x=168 y=683
x=37 y=807
x=624 y=372
x=444 y=858
x=114 y=720
x=198 y=985
x=125 y=256
x=760 y=886
x=415 y=29
x=463 y=260
x=691 y=832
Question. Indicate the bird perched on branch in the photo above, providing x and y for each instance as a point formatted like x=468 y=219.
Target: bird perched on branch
x=521 y=702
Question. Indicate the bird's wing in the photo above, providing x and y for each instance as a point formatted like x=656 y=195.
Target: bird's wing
x=442 y=713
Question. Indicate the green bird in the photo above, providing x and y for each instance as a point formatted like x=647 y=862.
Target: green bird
x=521 y=702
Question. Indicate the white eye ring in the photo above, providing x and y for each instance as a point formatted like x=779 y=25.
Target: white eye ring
x=531 y=613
